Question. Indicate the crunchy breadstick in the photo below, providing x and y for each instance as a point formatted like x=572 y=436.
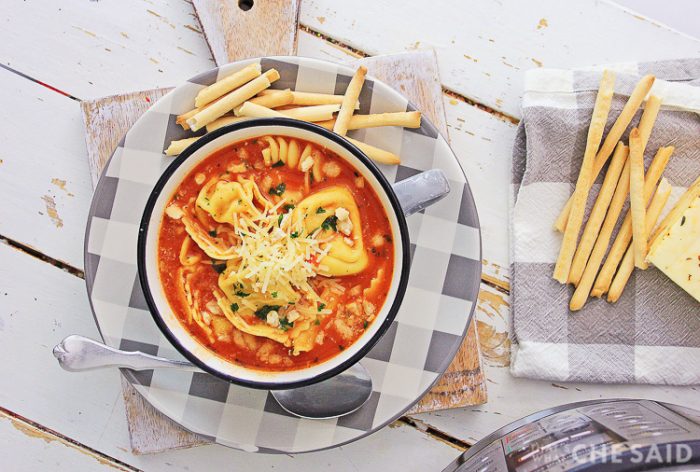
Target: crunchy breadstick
x=624 y=235
x=585 y=178
x=232 y=100
x=176 y=147
x=309 y=98
x=583 y=289
x=228 y=83
x=637 y=200
x=618 y=128
x=627 y=265
x=251 y=110
x=223 y=121
x=278 y=98
x=595 y=220
x=376 y=154
x=352 y=93
x=646 y=122
x=680 y=206
x=312 y=113
x=328 y=124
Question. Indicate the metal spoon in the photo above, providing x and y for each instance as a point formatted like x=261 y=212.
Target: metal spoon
x=334 y=397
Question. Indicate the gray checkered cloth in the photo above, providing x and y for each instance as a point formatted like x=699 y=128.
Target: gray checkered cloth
x=652 y=334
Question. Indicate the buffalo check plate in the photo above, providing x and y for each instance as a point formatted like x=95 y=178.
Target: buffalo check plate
x=404 y=364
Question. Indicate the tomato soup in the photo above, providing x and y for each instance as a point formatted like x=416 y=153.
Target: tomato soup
x=275 y=253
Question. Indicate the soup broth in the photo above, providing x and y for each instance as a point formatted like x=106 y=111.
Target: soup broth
x=275 y=253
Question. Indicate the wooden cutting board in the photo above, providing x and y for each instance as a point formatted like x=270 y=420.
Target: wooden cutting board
x=414 y=74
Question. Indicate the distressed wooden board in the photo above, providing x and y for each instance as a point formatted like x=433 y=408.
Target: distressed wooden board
x=27 y=447
x=269 y=28
x=484 y=48
x=108 y=119
x=414 y=74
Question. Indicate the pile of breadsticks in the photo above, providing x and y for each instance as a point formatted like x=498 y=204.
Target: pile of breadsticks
x=246 y=94
x=586 y=262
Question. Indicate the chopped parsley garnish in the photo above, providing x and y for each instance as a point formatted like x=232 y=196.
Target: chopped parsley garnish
x=274 y=294
x=234 y=307
x=212 y=233
x=285 y=324
x=241 y=294
x=264 y=310
x=365 y=324
x=278 y=190
x=279 y=219
x=320 y=210
x=317 y=322
x=294 y=235
x=330 y=223
x=278 y=164
x=321 y=306
x=683 y=220
x=287 y=207
x=218 y=267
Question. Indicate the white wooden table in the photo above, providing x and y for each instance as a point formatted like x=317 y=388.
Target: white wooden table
x=55 y=54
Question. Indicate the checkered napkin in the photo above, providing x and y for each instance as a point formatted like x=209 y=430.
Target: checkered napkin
x=652 y=334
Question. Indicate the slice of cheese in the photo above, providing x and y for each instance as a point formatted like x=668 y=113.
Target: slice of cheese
x=676 y=249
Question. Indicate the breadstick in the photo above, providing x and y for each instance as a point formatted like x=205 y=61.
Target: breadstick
x=627 y=265
x=251 y=110
x=595 y=220
x=617 y=251
x=646 y=122
x=182 y=119
x=583 y=289
x=618 y=128
x=225 y=85
x=352 y=93
x=277 y=98
x=223 y=121
x=376 y=154
x=585 y=178
x=232 y=100
x=312 y=113
x=309 y=98
x=176 y=147
x=637 y=200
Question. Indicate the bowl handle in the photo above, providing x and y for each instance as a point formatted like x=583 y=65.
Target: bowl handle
x=422 y=190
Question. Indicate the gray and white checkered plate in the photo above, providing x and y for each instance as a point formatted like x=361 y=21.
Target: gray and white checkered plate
x=409 y=358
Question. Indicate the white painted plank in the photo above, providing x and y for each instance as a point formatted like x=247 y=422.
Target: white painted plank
x=484 y=48
x=25 y=448
x=93 y=49
x=44 y=182
x=35 y=317
x=512 y=398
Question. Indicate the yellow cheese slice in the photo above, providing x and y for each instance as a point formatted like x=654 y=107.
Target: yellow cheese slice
x=676 y=250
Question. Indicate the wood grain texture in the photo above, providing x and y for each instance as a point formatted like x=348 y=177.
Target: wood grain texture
x=415 y=75
x=108 y=119
x=269 y=28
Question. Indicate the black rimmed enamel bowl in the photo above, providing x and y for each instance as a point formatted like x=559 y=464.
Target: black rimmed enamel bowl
x=415 y=194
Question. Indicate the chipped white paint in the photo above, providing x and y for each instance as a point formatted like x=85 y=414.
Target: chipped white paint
x=100 y=48
x=484 y=48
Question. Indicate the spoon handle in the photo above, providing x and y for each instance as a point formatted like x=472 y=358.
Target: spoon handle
x=77 y=353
